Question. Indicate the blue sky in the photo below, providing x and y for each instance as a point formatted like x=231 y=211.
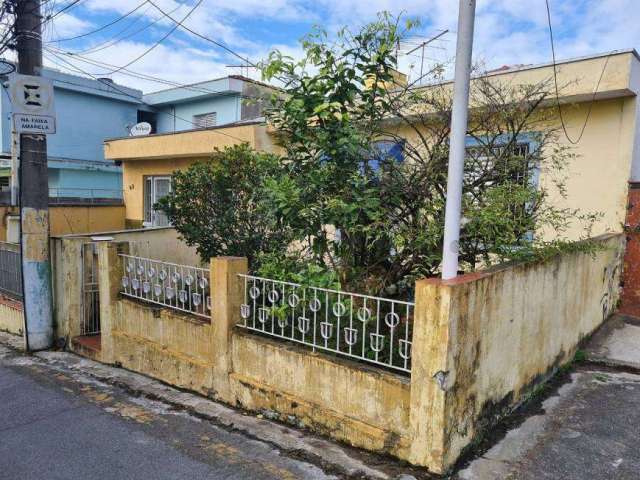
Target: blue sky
x=507 y=32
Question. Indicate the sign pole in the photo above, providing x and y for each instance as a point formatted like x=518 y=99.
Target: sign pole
x=457 y=142
x=34 y=192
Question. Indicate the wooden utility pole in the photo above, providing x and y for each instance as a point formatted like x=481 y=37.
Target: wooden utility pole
x=34 y=193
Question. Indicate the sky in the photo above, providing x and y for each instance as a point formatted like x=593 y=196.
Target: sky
x=508 y=32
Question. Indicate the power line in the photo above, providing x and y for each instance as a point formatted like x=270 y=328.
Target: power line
x=555 y=81
x=103 y=27
x=112 y=85
x=117 y=38
x=164 y=37
x=203 y=37
x=144 y=76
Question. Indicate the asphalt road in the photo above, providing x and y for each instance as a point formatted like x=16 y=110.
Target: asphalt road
x=52 y=427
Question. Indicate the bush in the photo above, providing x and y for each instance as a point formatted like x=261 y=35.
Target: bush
x=217 y=205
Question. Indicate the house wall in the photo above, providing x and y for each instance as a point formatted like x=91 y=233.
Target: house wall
x=74 y=219
x=227 y=108
x=133 y=182
x=163 y=154
x=87 y=112
x=83 y=121
x=597 y=172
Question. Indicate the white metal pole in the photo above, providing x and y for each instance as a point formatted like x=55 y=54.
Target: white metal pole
x=457 y=138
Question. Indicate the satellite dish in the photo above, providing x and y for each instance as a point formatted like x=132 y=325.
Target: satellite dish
x=140 y=129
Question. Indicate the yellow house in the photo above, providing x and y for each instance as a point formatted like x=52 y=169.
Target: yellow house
x=607 y=155
x=149 y=161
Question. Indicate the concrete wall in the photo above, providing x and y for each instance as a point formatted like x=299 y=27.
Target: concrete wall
x=480 y=344
x=365 y=407
x=11 y=315
x=74 y=219
x=492 y=336
x=164 y=344
x=227 y=108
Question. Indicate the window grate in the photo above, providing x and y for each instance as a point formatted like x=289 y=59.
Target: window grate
x=205 y=120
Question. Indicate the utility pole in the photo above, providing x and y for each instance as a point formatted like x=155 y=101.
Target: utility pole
x=457 y=139
x=34 y=193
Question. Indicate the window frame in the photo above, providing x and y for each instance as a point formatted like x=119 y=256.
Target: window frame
x=149 y=197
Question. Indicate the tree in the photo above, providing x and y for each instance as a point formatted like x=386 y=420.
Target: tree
x=377 y=220
x=217 y=205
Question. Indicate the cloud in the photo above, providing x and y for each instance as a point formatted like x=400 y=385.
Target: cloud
x=507 y=31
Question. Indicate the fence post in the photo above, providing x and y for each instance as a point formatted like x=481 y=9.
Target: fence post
x=109 y=277
x=429 y=375
x=68 y=291
x=226 y=298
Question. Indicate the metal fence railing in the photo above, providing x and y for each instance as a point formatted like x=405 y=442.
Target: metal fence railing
x=370 y=329
x=84 y=195
x=180 y=287
x=10 y=270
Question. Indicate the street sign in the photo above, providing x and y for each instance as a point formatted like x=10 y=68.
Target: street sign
x=139 y=129
x=32 y=104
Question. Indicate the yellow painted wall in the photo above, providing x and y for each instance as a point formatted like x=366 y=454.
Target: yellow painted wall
x=11 y=315
x=162 y=154
x=464 y=375
x=501 y=333
x=74 y=219
x=363 y=406
x=597 y=178
x=164 y=344
x=133 y=173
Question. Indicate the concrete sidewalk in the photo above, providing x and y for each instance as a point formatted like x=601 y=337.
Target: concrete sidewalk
x=589 y=428
x=67 y=417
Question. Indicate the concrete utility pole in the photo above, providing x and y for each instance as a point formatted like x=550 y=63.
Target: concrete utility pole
x=457 y=139
x=34 y=193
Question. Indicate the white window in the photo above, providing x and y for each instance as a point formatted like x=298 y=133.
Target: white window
x=155 y=187
x=205 y=120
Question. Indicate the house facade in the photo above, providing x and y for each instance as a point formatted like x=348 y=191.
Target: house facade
x=604 y=161
x=187 y=124
x=87 y=112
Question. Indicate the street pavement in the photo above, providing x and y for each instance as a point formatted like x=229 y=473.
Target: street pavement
x=64 y=417
x=52 y=427
x=67 y=417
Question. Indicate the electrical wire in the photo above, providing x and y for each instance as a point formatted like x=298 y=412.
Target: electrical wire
x=557 y=90
x=117 y=38
x=204 y=37
x=143 y=76
x=113 y=86
x=164 y=37
x=103 y=27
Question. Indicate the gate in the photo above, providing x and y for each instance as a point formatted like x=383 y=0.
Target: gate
x=90 y=324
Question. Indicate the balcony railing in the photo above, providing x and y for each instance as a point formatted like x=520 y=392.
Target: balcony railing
x=84 y=196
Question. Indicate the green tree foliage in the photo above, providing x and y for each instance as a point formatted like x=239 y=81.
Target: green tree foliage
x=377 y=223
x=217 y=205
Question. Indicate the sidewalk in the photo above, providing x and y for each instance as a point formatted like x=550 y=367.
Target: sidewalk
x=233 y=438
x=589 y=428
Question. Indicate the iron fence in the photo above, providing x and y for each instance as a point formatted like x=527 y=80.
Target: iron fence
x=371 y=329
x=180 y=287
x=10 y=270
x=84 y=195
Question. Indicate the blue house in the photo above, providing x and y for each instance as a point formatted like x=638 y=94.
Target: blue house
x=207 y=104
x=87 y=112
